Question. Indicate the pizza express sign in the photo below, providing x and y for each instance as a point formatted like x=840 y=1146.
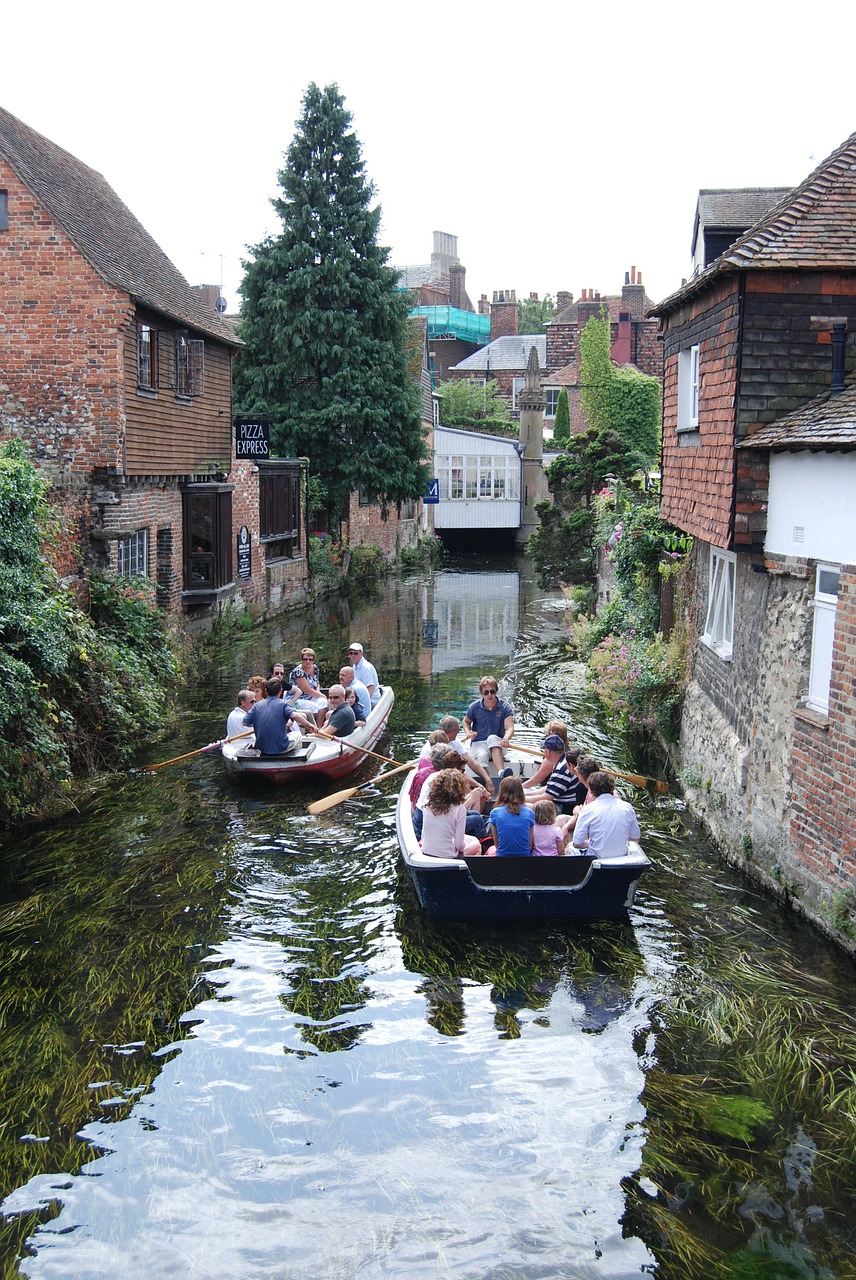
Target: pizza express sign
x=252 y=439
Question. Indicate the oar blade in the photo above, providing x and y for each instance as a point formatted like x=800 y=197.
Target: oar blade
x=330 y=802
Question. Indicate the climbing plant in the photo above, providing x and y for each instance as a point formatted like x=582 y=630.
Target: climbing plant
x=618 y=399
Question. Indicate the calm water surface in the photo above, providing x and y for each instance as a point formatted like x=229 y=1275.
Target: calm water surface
x=233 y=1046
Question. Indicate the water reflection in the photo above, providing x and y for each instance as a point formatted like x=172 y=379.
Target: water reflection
x=250 y=1053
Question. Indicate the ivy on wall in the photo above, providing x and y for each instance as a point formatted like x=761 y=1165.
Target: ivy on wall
x=619 y=399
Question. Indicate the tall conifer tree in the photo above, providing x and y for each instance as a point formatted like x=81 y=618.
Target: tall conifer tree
x=325 y=324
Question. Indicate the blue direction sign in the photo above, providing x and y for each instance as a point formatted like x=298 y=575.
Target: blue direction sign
x=433 y=494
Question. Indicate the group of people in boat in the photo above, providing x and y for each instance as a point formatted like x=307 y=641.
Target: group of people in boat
x=279 y=708
x=568 y=804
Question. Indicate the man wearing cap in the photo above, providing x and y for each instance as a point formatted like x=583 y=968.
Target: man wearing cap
x=364 y=671
x=561 y=786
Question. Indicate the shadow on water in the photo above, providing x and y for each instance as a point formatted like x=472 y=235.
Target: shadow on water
x=234 y=1045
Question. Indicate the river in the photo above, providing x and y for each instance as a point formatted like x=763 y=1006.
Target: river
x=233 y=1046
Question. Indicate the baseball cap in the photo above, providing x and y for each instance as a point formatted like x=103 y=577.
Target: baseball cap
x=553 y=743
x=355 y=644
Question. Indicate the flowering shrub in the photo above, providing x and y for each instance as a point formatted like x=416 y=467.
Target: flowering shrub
x=639 y=681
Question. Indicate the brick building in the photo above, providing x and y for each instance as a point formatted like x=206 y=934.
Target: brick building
x=504 y=360
x=439 y=292
x=759 y=465
x=118 y=375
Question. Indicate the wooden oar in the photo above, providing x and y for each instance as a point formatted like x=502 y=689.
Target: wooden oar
x=319 y=733
x=339 y=797
x=212 y=746
x=638 y=779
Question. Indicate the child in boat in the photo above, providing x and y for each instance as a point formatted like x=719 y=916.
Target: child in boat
x=511 y=822
x=354 y=703
x=550 y=840
x=444 y=817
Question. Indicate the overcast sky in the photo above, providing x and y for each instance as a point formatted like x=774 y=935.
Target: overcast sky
x=562 y=143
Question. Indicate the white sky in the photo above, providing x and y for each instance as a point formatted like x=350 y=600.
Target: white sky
x=562 y=143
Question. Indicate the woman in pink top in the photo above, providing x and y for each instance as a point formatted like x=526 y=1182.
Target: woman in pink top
x=445 y=818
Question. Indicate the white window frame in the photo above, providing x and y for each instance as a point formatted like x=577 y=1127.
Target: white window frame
x=551 y=393
x=517 y=385
x=825 y=605
x=478 y=477
x=689 y=361
x=132 y=555
x=719 y=624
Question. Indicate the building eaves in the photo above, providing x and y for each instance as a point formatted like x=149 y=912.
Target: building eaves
x=812 y=227
x=826 y=422
x=103 y=229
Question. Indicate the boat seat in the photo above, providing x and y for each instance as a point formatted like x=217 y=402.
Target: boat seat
x=303 y=752
x=516 y=871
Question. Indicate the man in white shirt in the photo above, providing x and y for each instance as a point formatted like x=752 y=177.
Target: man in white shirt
x=604 y=826
x=235 y=721
x=364 y=671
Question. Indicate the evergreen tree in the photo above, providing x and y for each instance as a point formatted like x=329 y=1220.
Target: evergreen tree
x=562 y=421
x=325 y=324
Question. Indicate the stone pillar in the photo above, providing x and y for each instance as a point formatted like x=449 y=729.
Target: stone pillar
x=530 y=402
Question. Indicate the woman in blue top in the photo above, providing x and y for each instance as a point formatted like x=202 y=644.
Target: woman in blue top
x=512 y=823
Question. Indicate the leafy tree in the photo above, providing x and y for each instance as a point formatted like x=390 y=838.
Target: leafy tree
x=621 y=400
x=475 y=406
x=325 y=324
x=533 y=314
x=562 y=421
x=563 y=546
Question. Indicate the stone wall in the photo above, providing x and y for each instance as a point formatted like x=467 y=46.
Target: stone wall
x=753 y=761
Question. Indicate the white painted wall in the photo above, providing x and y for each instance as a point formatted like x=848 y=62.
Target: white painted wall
x=470 y=449
x=812 y=506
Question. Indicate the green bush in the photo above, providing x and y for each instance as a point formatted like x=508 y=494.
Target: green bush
x=78 y=691
x=639 y=681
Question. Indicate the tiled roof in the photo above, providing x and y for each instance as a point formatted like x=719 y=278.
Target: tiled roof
x=504 y=354
x=736 y=206
x=812 y=227
x=827 y=422
x=103 y=229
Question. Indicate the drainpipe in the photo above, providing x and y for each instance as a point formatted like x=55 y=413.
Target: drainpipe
x=839 y=339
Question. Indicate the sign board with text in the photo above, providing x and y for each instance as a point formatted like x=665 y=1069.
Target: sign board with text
x=252 y=438
x=433 y=494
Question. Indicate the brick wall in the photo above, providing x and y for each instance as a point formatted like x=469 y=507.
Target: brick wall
x=366 y=525
x=504 y=316
x=62 y=326
x=824 y=768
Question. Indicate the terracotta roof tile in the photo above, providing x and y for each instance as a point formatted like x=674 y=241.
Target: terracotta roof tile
x=103 y=229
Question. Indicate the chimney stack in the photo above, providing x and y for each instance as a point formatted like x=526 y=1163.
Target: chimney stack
x=633 y=294
x=588 y=306
x=504 y=316
x=564 y=299
x=457 y=286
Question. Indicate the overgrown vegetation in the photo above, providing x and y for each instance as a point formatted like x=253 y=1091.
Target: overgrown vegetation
x=619 y=399
x=79 y=691
x=636 y=674
x=475 y=406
